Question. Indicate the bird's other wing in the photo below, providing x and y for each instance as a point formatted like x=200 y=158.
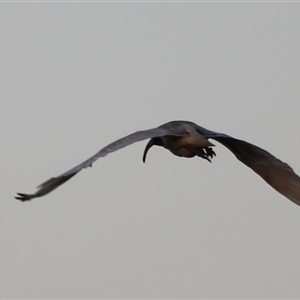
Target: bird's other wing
x=209 y=134
x=55 y=182
x=275 y=172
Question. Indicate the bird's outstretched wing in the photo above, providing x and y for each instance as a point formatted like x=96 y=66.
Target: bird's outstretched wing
x=276 y=173
x=55 y=182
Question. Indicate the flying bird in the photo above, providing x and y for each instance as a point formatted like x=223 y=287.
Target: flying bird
x=187 y=139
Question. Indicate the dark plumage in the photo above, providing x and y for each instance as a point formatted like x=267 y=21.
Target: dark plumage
x=187 y=139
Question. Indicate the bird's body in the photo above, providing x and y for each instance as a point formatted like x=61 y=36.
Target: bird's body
x=188 y=146
x=185 y=147
x=187 y=139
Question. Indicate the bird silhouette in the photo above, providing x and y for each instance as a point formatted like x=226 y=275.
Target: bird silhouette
x=187 y=139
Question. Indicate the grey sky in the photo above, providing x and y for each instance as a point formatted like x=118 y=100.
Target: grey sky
x=75 y=77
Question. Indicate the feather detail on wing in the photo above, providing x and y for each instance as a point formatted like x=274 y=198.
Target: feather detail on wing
x=55 y=182
x=276 y=173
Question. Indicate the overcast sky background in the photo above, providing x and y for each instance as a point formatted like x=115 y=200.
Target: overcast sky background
x=77 y=76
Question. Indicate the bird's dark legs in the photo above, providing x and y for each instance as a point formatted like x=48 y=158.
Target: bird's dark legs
x=206 y=153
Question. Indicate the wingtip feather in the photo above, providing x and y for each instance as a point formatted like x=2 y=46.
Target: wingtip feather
x=23 y=197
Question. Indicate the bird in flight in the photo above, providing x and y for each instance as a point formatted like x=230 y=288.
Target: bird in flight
x=187 y=139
